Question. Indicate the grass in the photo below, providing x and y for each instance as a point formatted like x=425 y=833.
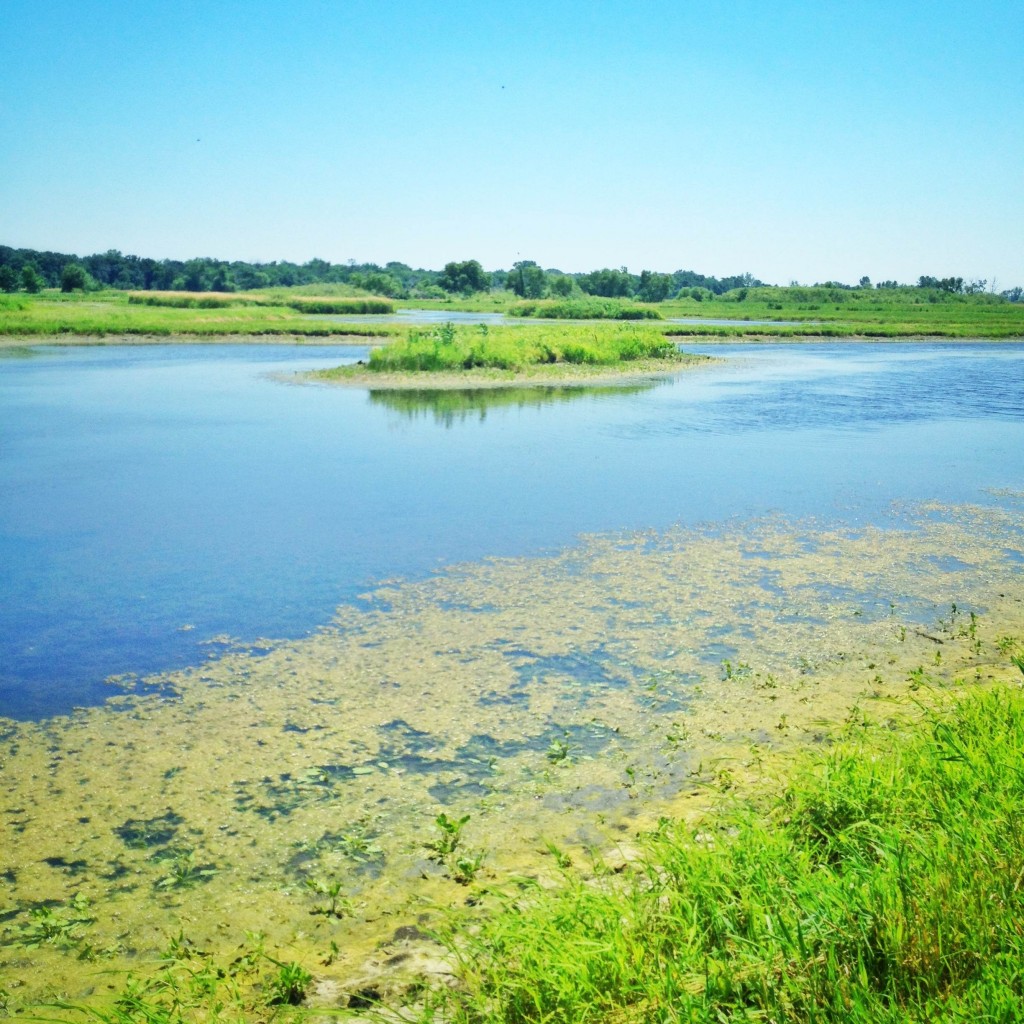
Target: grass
x=587 y=308
x=172 y=314
x=804 y=312
x=885 y=884
x=450 y=348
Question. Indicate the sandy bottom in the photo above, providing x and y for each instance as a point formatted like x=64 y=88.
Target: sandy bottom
x=568 y=700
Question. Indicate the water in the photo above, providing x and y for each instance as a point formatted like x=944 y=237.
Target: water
x=155 y=498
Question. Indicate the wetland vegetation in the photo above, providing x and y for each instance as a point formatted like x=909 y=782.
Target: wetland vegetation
x=598 y=816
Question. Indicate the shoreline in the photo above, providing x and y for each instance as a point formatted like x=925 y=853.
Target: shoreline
x=482 y=378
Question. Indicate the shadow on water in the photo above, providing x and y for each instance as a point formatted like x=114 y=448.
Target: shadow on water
x=449 y=407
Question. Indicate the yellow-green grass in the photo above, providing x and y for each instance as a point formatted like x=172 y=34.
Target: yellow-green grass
x=450 y=348
x=105 y=314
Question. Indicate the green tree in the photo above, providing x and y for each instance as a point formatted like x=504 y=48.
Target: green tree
x=527 y=280
x=465 y=278
x=8 y=279
x=561 y=285
x=654 y=287
x=30 y=279
x=73 y=276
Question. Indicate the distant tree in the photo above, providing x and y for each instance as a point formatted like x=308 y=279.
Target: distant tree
x=887 y=284
x=464 y=278
x=8 y=279
x=609 y=284
x=30 y=279
x=561 y=285
x=195 y=277
x=864 y=282
x=976 y=287
x=1013 y=294
x=654 y=287
x=527 y=280
x=220 y=280
x=72 y=277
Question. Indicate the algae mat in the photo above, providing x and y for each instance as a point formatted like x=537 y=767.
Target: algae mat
x=332 y=792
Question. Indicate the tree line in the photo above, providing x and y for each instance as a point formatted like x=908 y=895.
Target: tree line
x=31 y=270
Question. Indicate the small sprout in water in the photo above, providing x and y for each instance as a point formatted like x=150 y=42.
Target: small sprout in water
x=337 y=907
x=288 y=986
x=451 y=835
x=938 y=657
x=466 y=867
x=558 y=751
x=562 y=859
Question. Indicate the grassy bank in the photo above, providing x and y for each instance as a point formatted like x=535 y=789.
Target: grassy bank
x=178 y=314
x=755 y=312
x=885 y=884
x=792 y=312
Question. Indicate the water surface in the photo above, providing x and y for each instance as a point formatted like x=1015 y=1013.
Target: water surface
x=155 y=499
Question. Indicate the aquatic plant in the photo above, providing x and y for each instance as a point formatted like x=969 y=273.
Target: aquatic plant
x=449 y=838
x=338 y=906
x=288 y=986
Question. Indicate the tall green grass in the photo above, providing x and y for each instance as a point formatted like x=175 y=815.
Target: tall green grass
x=164 y=315
x=342 y=305
x=885 y=885
x=583 y=309
x=450 y=348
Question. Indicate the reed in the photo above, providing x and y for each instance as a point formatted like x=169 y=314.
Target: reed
x=583 y=309
x=319 y=305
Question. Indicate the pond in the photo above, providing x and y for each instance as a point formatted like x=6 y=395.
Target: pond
x=153 y=499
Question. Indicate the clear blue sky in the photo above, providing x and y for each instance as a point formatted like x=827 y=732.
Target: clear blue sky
x=794 y=141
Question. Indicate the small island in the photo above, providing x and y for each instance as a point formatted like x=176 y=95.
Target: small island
x=483 y=356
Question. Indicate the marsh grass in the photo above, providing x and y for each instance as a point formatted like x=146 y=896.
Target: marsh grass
x=584 y=309
x=449 y=348
x=361 y=305
x=885 y=884
x=164 y=315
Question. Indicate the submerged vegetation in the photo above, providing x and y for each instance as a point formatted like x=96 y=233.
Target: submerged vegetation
x=882 y=885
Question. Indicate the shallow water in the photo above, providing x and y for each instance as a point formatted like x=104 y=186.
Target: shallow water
x=765 y=568
x=155 y=501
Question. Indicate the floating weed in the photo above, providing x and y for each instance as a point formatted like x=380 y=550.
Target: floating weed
x=183 y=871
x=449 y=838
x=337 y=905
x=59 y=926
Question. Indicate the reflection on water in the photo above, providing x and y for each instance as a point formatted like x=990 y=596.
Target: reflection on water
x=449 y=407
x=153 y=499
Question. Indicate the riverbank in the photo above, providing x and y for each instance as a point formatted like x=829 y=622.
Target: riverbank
x=9 y=342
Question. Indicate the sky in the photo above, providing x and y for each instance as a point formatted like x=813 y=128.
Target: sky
x=793 y=141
